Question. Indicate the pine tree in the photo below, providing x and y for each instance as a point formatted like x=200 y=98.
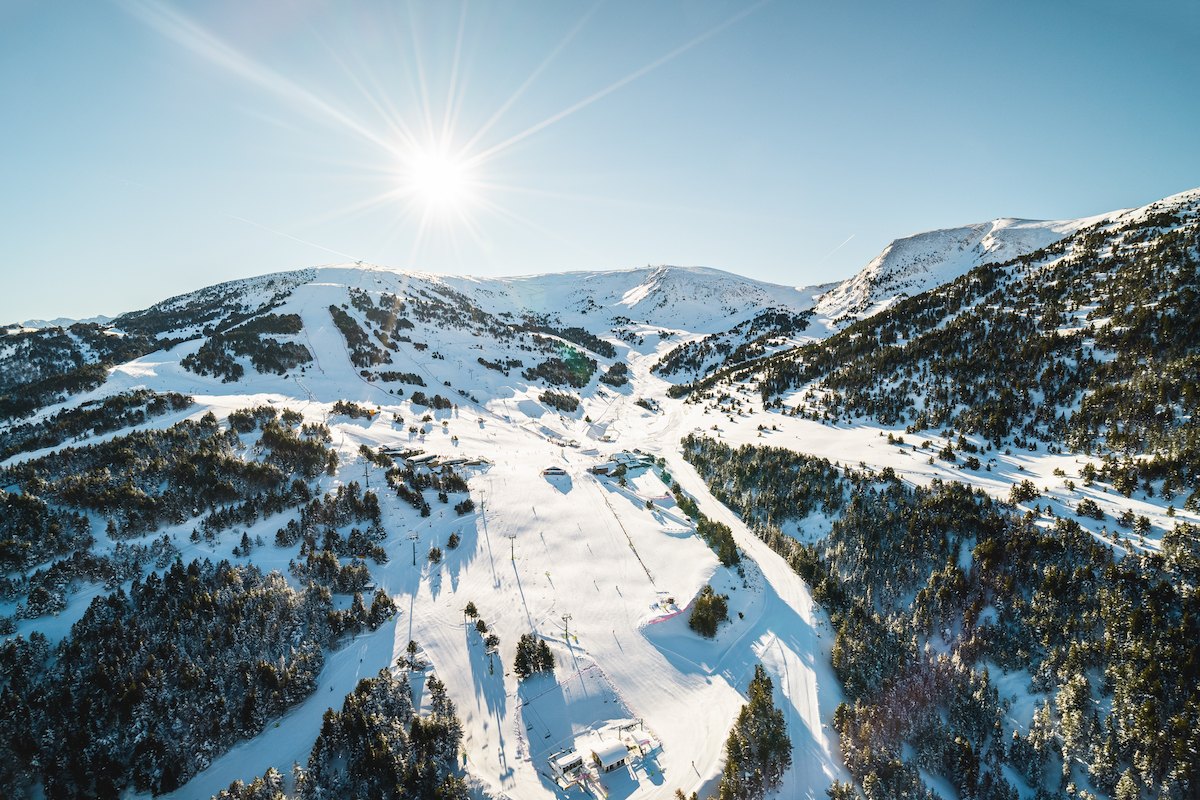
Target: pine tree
x=382 y=608
x=758 y=751
x=708 y=611
x=545 y=661
x=533 y=655
x=523 y=666
x=1075 y=720
x=1103 y=767
x=1127 y=788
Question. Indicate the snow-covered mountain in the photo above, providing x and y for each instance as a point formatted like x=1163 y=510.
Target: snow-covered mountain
x=917 y=263
x=60 y=322
x=209 y=458
x=694 y=299
x=914 y=264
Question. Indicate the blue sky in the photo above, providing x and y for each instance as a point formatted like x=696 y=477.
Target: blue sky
x=151 y=148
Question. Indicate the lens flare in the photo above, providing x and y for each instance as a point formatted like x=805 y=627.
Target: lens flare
x=438 y=180
x=437 y=188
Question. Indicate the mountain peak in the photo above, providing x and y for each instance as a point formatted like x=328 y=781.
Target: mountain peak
x=913 y=264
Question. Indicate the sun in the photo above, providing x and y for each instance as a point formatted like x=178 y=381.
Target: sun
x=437 y=179
x=442 y=176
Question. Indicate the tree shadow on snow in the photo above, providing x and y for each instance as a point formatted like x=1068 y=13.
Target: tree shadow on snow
x=454 y=561
x=735 y=652
x=545 y=721
x=487 y=680
x=531 y=409
x=562 y=483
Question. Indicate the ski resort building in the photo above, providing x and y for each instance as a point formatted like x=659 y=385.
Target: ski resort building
x=610 y=755
x=630 y=460
x=624 y=459
x=399 y=452
x=619 y=745
x=567 y=765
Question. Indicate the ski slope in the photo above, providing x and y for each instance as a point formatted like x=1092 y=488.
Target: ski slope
x=601 y=572
x=535 y=549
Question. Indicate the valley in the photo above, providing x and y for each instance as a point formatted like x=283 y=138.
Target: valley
x=394 y=380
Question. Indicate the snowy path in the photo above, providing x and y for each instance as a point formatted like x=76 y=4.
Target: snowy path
x=539 y=555
x=288 y=739
x=793 y=643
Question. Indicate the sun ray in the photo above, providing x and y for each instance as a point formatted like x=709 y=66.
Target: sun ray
x=422 y=81
x=612 y=87
x=472 y=229
x=290 y=236
x=546 y=62
x=180 y=29
x=374 y=95
x=497 y=187
x=422 y=230
x=367 y=204
x=511 y=215
x=450 y=112
x=437 y=182
x=393 y=230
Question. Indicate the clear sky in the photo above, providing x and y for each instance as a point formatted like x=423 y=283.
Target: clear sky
x=151 y=148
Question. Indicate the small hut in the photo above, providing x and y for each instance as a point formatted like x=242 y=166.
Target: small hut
x=610 y=755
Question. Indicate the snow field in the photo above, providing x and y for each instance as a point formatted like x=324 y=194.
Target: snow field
x=578 y=560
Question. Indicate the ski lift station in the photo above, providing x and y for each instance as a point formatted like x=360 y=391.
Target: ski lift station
x=623 y=459
x=581 y=735
x=622 y=747
x=567 y=765
x=601 y=755
x=610 y=755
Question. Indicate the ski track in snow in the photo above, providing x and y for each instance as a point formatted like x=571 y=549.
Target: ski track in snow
x=583 y=546
x=537 y=549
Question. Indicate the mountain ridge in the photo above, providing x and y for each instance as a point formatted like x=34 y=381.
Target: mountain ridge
x=921 y=261
x=343 y=451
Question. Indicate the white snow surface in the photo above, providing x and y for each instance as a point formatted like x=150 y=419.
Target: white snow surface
x=538 y=547
x=694 y=299
x=914 y=264
x=917 y=263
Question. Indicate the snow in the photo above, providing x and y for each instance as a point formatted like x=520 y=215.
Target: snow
x=914 y=264
x=602 y=572
x=692 y=299
x=580 y=545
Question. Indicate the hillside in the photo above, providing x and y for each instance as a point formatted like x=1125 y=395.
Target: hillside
x=1089 y=344
x=936 y=522
x=915 y=264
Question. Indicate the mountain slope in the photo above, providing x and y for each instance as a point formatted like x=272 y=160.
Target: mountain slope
x=251 y=401
x=1089 y=343
x=693 y=299
x=915 y=264
x=325 y=465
